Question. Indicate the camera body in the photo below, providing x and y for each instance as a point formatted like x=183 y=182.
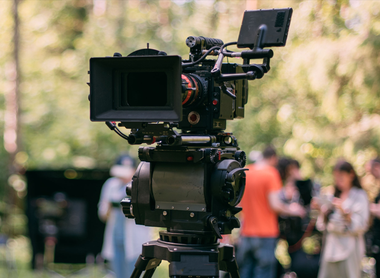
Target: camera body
x=197 y=195
x=193 y=179
x=153 y=87
x=194 y=95
x=209 y=111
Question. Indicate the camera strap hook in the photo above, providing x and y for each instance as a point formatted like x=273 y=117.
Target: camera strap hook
x=213 y=222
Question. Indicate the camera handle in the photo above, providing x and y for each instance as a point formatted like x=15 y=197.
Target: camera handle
x=252 y=71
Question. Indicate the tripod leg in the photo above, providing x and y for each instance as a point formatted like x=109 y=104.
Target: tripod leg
x=149 y=273
x=227 y=261
x=151 y=267
x=148 y=265
x=232 y=268
x=140 y=266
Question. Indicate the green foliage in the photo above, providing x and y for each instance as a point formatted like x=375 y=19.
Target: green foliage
x=319 y=102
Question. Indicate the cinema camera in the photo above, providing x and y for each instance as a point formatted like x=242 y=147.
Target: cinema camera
x=192 y=181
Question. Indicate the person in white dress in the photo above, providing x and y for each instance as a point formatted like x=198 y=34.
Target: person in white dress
x=123 y=239
x=344 y=219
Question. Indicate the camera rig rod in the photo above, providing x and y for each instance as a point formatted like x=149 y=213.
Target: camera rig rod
x=251 y=71
x=164 y=134
x=197 y=139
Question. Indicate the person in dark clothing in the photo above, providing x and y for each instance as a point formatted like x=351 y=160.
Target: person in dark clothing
x=375 y=212
x=295 y=229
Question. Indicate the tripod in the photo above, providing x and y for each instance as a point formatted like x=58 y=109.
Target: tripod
x=196 y=254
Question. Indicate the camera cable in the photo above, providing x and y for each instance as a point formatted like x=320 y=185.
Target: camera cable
x=112 y=126
x=185 y=65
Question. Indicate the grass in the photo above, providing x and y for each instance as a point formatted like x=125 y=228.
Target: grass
x=15 y=258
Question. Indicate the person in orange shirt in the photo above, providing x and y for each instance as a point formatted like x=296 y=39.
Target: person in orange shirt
x=261 y=205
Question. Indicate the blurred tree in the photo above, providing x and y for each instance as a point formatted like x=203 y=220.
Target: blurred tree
x=60 y=38
x=320 y=101
x=11 y=132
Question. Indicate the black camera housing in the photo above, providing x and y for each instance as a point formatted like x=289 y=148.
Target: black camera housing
x=214 y=107
x=149 y=86
x=136 y=88
x=149 y=89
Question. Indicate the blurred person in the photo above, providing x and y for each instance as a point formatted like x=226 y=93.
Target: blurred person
x=369 y=181
x=373 y=239
x=123 y=239
x=344 y=219
x=261 y=205
x=298 y=189
x=297 y=230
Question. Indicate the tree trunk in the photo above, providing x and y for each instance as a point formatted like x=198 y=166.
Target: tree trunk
x=11 y=117
x=11 y=126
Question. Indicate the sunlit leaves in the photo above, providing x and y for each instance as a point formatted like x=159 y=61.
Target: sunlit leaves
x=320 y=100
x=327 y=88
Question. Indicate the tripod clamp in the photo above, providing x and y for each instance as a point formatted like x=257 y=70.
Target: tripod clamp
x=208 y=259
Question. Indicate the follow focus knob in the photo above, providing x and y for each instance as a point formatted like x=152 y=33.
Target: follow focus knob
x=126 y=203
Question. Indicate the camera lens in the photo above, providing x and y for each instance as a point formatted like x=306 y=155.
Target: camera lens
x=191 y=90
x=136 y=91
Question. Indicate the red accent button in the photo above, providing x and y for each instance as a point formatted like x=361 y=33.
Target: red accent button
x=193 y=118
x=215 y=102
